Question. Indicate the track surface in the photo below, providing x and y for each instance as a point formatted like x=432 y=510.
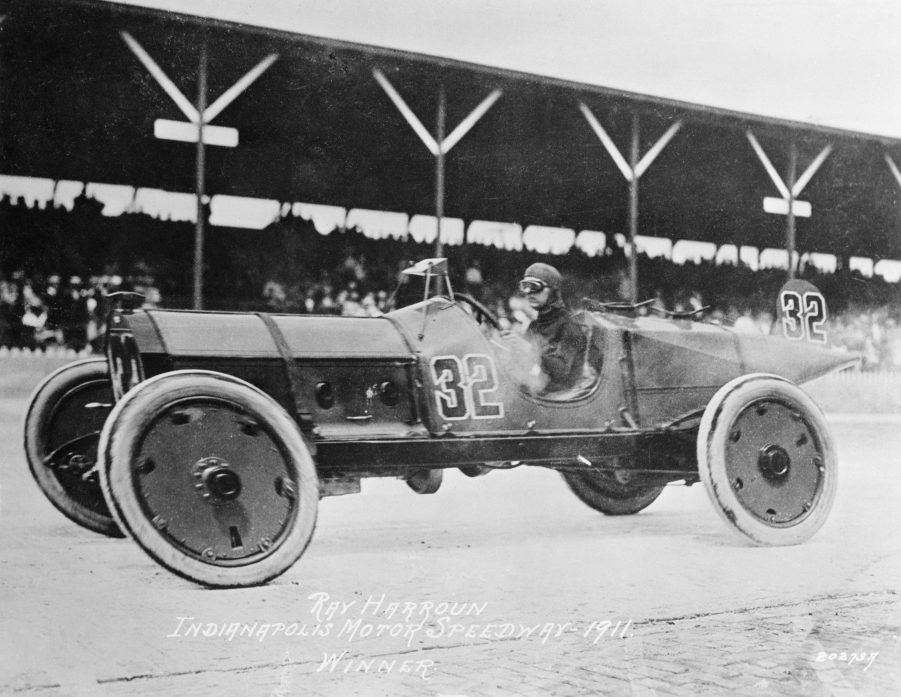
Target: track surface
x=528 y=566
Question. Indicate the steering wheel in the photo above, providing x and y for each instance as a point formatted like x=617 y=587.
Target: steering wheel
x=481 y=313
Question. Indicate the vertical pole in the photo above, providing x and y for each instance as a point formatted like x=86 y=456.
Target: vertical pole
x=633 y=211
x=200 y=184
x=790 y=218
x=439 y=170
x=3 y=94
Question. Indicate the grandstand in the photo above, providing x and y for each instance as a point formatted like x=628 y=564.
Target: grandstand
x=314 y=213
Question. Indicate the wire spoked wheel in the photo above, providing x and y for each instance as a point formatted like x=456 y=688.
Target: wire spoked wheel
x=211 y=477
x=767 y=459
x=62 y=429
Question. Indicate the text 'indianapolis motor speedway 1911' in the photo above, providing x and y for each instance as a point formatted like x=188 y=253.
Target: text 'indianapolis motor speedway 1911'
x=209 y=438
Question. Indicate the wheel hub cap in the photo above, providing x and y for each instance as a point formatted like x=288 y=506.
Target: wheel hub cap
x=221 y=482
x=774 y=463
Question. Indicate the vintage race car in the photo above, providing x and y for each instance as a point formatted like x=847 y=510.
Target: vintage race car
x=209 y=437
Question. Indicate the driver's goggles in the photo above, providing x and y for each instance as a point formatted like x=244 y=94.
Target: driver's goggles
x=529 y=287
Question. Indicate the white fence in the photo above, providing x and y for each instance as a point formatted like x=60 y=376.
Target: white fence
x=52 y=353
x=858 y=392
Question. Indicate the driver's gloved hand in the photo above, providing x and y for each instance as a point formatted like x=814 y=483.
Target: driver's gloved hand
x=514 y=339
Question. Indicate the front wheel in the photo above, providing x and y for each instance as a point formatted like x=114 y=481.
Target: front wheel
x=610 y=492
x=767 y=460
x=211 y=477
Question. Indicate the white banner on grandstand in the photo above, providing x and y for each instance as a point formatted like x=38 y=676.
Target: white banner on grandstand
x=548 y=240
x=324 y=218
x=424 y=229
x=502 y=235
x=378 y=224
x=592 y=242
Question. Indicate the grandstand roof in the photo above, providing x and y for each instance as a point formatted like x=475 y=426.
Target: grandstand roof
x=76 y=103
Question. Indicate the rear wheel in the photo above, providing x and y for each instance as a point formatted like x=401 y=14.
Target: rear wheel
x=767 y=459
x=211 y=477
x=611 y=493
x=62 y=428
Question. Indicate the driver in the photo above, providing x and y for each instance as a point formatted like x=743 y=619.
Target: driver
x=556 y=338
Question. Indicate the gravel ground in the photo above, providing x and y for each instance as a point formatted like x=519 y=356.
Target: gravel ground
x=665 y=602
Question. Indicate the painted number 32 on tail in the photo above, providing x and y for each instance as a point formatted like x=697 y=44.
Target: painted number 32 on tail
x=802 y=310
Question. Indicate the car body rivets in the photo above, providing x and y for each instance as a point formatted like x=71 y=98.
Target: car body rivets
x=159 y=522
x=265 y=543
x=818 y=463
x=145 y=466
x=285 y=487
x=250 y=428
x=735 y=435
x=209 y=553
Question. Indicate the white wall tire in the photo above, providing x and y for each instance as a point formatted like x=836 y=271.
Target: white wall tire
x=767 y=460
x=62 y=427
x=211 y=477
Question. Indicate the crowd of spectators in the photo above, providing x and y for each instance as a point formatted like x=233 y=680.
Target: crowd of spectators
x=41 y=312
x=74 y=258
x=38 y=313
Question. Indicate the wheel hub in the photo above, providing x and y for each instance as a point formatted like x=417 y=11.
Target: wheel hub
x=217 y=481
x=774 y=462
x=79 y=463
x=222 y=482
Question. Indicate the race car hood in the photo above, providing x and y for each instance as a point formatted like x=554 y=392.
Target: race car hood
x=244 y=335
